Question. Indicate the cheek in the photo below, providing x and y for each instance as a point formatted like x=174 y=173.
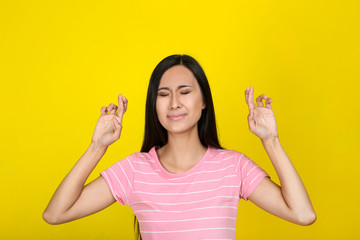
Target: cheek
x=199 y=102
x=159 y=108
x=197 y=107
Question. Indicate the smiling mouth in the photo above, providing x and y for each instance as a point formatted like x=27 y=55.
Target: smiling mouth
x=176 y=116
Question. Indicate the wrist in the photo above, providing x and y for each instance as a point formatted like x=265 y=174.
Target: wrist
x=96 y=148
x=270 y=141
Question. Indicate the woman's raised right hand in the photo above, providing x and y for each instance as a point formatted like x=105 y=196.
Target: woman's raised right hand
x=109 y=124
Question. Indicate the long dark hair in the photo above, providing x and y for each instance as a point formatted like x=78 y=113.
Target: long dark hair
x=155 y=133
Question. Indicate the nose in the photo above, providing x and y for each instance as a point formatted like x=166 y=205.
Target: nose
x=175 y=102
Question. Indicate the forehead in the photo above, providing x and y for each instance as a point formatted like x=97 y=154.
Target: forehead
x=177 y=75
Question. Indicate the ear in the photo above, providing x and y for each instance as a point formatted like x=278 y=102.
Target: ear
x=203 y=106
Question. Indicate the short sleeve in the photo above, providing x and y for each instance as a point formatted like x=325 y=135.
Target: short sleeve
x=250 y=175
x=119 y=178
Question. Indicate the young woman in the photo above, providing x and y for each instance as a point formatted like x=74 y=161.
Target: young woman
x=182 y=185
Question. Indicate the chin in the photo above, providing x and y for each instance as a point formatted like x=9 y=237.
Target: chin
x=180 y=129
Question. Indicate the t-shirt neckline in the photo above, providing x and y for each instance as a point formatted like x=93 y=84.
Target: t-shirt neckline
x=168 y=174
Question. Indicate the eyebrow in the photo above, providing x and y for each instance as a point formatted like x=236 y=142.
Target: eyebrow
x=179 y=87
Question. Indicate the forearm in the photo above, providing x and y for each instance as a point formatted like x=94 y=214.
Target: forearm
x=71 y=187
x=292 y=187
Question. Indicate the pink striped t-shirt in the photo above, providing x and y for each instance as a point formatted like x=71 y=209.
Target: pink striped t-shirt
x=200 y=203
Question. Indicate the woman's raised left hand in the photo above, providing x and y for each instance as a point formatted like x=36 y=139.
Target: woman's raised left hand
x=261 y=119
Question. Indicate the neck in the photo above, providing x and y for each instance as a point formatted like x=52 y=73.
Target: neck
x=182 y=151
x=184 y=142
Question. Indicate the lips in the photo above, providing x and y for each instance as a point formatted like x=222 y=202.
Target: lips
x=176 y=116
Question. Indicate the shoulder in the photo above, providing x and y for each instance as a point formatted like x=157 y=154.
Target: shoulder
x=225 y=153
x=142 y=157
x=226 y=156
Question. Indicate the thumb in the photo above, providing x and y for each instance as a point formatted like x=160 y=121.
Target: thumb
x=117 y=130
x=251 y=120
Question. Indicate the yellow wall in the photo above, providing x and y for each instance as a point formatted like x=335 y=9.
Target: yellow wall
x=60 y=61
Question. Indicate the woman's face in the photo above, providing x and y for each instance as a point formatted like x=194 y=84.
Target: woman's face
x=179 y=101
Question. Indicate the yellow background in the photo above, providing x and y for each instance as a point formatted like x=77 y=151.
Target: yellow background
x=61 y=61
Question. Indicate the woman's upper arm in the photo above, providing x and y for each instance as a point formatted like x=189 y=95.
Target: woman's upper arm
x=94 y=197
x=267 y=195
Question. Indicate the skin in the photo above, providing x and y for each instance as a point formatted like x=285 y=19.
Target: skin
x=179 y=108
x=290 y=201
x=179 y=105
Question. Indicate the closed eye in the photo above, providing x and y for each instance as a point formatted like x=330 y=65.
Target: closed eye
x=184 y=93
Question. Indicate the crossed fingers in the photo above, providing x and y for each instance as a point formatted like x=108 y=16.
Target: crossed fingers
x=249 y=98
x=123 y=102
x=112 y=108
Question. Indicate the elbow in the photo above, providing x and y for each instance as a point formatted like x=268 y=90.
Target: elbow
x=307 y=219
x=50 y=218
